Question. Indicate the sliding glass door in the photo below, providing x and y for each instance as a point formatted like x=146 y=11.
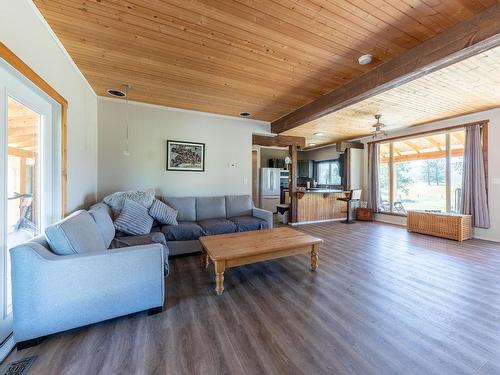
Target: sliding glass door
x=26 y=173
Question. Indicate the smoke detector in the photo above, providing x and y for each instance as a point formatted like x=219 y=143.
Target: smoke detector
x=365 y=59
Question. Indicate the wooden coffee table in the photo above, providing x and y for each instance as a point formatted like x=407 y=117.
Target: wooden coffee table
x=237 y=249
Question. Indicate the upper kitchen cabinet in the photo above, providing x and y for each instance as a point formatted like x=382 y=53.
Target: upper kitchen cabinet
x=305 y=168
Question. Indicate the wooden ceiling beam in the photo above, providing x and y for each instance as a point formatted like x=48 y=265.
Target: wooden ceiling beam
x=413 y=146
x=20 y=152
x=33 y=138
x=459 y=136
x=435 y=143
x=25 y=130
x=278 y=141
x=468 y=38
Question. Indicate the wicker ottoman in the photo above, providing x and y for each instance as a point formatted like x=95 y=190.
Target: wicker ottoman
x=446 y=225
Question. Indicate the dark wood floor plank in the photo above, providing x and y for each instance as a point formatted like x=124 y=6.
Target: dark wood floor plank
x=383 y=301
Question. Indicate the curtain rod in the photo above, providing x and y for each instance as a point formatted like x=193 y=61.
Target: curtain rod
x=481 y=122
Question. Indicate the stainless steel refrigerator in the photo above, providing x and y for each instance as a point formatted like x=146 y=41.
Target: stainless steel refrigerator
x=269 y=188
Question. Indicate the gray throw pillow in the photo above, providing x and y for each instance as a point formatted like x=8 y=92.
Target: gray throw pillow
x=134 y=219
x=76 y=234
x=116 y=200
x=163 y=213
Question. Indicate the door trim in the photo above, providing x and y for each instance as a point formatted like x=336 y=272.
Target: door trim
x=6 y=347
x=13 y=60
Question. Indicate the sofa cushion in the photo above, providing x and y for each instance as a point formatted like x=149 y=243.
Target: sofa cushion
x=183 y=231
x=104 y=224
x=163 y=213
x=217 y=226
x=239 y=205
x=145 y=239
x=117 y=200
x=210 y=208
x=248 y=223
x=134 y=219
x=185 y=206
x=77 y=233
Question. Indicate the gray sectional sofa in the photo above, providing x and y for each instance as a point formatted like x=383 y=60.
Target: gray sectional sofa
x=204 y=216
x=83 y=271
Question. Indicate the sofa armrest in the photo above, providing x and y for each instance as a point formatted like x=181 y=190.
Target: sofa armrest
x=264 y=215
x=53 y=293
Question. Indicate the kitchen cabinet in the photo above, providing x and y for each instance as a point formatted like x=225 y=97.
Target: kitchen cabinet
x=276 y=163
x=305 y=168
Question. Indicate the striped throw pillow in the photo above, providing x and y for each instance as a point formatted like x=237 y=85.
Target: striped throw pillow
x=163 y=213
x=134 y=219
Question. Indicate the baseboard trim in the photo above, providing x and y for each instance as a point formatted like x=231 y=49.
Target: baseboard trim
x=6 y=347
x=21 y=345
x=315 y=222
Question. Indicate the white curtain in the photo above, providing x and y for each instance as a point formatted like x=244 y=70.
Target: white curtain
x=474 y=196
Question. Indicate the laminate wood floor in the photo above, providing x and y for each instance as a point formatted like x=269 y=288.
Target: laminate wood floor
x=383 y=301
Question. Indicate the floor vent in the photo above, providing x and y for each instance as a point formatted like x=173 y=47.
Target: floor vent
x=20 y=367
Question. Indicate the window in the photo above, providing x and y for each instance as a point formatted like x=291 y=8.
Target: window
x=328 y=173
x=383 y=173
x=422 y=173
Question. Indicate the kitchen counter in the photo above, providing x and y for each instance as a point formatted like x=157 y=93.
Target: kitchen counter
x=321 y=190
x=317 y=205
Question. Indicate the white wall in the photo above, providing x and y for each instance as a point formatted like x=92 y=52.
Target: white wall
x=493 y=167
x=25 y=33
x=228 y=140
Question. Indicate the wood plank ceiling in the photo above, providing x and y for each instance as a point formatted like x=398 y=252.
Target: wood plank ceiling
x=468 y=86
x=261 y=56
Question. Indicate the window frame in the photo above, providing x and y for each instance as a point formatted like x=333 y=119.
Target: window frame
x=446 y=131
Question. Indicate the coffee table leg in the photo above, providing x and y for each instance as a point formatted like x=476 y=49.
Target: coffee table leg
x=314 y=257
x=204 y=258
x=219 y=276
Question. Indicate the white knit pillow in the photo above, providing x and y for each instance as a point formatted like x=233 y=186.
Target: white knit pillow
x=116 y=200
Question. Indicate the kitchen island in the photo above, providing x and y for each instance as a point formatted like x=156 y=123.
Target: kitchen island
x=319 y=204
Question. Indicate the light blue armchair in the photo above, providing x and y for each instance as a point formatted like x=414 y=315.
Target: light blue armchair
x=53 y=293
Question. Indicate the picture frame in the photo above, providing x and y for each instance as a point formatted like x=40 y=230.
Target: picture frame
x=185 y=156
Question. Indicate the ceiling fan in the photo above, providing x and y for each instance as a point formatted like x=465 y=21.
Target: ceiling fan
x=378 y=128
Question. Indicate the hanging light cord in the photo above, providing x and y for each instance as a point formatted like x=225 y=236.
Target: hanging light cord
x=126 y=152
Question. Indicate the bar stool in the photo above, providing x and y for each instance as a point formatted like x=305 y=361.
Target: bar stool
x=354 y=196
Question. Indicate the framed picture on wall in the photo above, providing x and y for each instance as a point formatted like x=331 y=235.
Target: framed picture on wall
x=185 y=156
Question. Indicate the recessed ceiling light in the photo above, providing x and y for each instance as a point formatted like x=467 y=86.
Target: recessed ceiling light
x=245 y=114
x=365 y=59
x=312 y=144
x=319 y=134
x=116 y=93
